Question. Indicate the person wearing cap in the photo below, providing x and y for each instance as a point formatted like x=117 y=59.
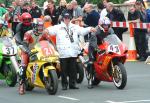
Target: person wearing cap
x=67 y=45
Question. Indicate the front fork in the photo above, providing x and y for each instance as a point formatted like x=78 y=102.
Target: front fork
x=15 y=63
x=114 y=72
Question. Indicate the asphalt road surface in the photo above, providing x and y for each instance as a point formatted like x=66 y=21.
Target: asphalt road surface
x=137 y=90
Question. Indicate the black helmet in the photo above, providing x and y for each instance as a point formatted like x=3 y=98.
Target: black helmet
x=66 y=14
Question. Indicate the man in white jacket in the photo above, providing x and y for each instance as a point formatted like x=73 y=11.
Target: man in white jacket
x=67 y=43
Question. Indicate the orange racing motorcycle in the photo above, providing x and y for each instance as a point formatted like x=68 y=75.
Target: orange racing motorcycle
x=109 y=64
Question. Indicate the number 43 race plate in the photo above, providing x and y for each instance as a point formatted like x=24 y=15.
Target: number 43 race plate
x=114 y=49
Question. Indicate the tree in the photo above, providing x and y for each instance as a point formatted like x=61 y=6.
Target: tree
x=40 y=2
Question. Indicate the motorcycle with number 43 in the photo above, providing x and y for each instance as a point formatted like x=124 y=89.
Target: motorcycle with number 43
x=41 y=70
x=8 y=63
x=109 y=64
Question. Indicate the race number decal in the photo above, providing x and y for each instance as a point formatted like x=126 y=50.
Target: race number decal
x=9 y=50
x=113 y=48
x=48 y=51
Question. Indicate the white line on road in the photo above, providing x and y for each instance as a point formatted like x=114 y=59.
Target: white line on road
x=136 y=101
x=68 y=98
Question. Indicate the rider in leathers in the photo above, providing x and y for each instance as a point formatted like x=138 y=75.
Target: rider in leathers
x=103 y=29
x=21 y=28
x=31 y=37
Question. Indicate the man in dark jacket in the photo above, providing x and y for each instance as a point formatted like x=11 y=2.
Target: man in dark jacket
x=35 y=11
x=92 y=15
x=24 y=8
x=116 y=15
x=52 y=12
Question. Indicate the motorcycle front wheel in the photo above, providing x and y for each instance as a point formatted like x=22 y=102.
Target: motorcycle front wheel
x=119 y=76
x=52 y=82
x=10 y=75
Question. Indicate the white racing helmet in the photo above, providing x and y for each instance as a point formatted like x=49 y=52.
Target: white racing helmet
x=38 y=26
x=105 y=20
x=105 y=23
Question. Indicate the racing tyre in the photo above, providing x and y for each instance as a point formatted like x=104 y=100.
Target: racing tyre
x=52 y=82
x=80 y=72
x=119 y=76
x=10 y=75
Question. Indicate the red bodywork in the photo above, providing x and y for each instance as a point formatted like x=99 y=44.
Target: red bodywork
x=102 y=65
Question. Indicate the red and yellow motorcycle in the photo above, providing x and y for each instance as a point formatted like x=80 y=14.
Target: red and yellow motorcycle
x=41 y=70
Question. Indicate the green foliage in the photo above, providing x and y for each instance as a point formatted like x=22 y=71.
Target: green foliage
x=6 y=2
x=118 y=1
x=40 y=2
x=114 y=1
x=2 y=1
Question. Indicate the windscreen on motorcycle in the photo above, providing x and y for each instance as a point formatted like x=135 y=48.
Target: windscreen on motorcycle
x=6 y=41
x=114 y=45
x=112 y=39
x=46 y=48
x=8 y=46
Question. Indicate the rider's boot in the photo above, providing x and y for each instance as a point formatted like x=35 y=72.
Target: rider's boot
x=22 y=80
x=91 y=65
x=21 y=88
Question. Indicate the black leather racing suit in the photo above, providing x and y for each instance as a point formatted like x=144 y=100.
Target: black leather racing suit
x=21 y=29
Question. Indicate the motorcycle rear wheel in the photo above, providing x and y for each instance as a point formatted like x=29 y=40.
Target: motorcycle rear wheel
x=52 y=82
x=10 y=75
x=80 y=72
x=119 y=76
